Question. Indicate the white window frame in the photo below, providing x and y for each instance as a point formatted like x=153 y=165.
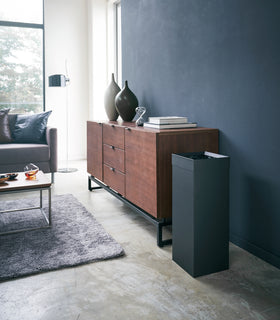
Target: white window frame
x=114 y=47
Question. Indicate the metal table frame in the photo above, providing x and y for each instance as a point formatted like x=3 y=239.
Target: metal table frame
x=158 y=223
x=48 y=219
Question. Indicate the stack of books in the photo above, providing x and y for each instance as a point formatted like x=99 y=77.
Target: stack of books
x=172 y=122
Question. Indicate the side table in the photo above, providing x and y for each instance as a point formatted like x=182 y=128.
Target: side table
x=21 y=184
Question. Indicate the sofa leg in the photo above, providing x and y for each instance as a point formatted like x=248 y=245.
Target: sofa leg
x=52 y=177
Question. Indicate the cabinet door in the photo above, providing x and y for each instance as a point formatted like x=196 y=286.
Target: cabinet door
x=140 y=162
x=94 y=150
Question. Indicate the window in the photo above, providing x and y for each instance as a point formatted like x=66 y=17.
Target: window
x=22 y=55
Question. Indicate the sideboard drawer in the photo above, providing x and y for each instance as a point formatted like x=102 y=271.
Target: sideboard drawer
x=114 y=157
x=113 y=135
x=114 y=179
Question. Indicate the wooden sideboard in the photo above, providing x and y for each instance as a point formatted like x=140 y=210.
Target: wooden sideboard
x=134 y=163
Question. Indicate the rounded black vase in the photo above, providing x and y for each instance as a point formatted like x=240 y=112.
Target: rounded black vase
x=109 y=100
x=126 y=103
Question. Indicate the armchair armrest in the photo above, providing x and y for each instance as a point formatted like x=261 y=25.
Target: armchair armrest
x=51 y=138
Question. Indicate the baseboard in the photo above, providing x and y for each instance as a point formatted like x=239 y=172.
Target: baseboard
x=257 y=251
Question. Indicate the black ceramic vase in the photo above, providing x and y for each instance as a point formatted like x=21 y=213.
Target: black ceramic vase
x=109 y=100
x=126 y=103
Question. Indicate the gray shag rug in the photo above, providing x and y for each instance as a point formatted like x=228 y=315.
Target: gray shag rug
x=75 y=238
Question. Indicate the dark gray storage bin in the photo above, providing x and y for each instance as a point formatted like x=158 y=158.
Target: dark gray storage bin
x=200 y=212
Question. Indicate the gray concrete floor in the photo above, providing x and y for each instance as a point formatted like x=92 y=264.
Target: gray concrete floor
x=145 y=283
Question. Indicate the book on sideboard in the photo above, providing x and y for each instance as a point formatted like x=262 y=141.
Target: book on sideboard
x=167 y=120
x=170 y=125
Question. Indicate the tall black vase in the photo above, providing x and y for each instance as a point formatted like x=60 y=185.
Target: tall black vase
x=126 y=103
x=109 y=100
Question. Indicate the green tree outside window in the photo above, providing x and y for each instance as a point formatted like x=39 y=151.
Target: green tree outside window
x=21 y=67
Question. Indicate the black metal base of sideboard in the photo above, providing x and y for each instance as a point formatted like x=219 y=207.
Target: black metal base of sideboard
x=158 y=223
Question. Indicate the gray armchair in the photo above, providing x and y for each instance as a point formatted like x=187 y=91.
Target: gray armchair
x=14 y=156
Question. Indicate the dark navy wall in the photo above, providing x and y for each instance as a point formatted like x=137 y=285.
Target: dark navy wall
x=218 y=62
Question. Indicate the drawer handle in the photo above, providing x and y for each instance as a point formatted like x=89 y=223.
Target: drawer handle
x=112 y=147
x=128 y=129
x=112 y=125
x=112 y=169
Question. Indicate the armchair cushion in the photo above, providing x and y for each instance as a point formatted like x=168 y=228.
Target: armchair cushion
x=24 y=153
x=31 y=128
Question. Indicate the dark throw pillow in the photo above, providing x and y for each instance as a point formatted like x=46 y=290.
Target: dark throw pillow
x=31 y=128
x=5 y=133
